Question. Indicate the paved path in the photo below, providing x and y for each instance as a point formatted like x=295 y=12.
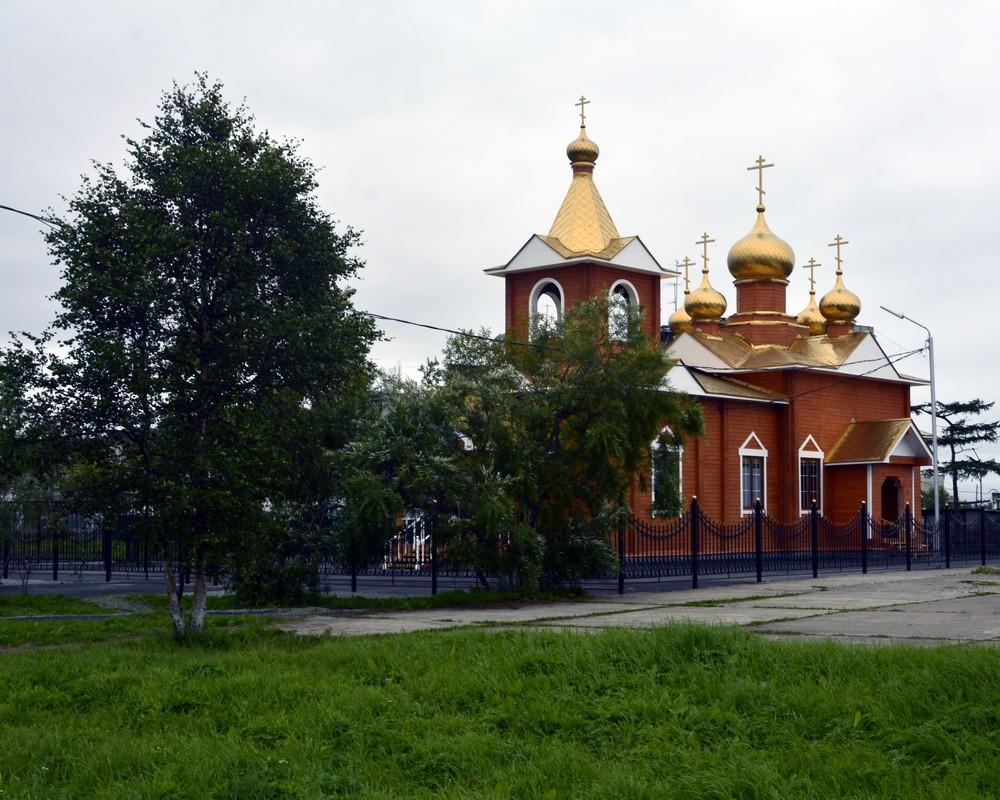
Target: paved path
x=919 y=607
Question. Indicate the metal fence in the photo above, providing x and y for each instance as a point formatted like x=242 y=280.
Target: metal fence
x=37 y=542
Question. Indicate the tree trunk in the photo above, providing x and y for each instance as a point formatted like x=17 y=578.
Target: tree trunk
x=199 y=601
x=954 y=480
x=173 y=599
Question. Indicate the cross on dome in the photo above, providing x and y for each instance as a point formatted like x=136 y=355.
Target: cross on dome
x=838 y=242
x=686 y=264
x=760 y=166
x=811 y=266
x=704 y=241
x=583 y=117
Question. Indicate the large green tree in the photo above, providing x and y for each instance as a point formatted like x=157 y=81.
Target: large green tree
x=534 y=446
x=211 y=360
x=961 y=434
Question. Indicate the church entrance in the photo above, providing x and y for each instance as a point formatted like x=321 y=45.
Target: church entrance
x=892 y=499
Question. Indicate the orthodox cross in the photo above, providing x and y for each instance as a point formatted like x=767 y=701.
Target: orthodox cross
x=760 y=166
x=686 y=264
x=838 y=242
x=704 y=242
x=583 y=103
x=811 y=266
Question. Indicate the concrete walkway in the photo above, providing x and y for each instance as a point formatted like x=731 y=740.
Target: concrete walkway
x=920 y=607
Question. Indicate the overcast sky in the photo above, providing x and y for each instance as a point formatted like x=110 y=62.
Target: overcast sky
x=440 y=129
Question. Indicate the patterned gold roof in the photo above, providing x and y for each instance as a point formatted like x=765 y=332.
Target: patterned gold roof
x=583 y=225
x=713 y=384
x=868 y=442
x=760 y=255
x=813 y=351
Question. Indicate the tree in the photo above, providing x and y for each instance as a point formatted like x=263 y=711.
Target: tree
x=559 y=430
x=960 y=435
x=213 y=362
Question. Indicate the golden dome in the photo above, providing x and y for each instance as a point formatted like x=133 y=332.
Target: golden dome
x=760 y=255
x=680 y=320
x=811 y=316
x=581 y=150
x=840 y=304
x=705 y=304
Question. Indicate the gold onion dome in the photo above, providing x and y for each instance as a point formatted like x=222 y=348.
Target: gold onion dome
x=811 y=316
x=680 y=320
x=581 y=150
x=705 y=303
x=840 y=304
x=760 y=255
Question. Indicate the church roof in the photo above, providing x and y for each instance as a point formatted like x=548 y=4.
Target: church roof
x=583 y=224
x=696 y=383
x=857 y=353
x=877 y=441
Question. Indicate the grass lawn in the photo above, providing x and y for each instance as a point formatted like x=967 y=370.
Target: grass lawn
x=677 y=712
x=13 y=605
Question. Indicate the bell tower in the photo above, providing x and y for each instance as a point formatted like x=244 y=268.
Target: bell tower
x=582 y=256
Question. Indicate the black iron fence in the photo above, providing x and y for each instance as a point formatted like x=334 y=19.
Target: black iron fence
x=42 y=542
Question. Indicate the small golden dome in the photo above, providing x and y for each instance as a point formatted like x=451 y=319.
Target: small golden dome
x=840 y=304
x=705 y=304
x=811 y=316
x=760 y=255
x=581 y=150
x=680 y=320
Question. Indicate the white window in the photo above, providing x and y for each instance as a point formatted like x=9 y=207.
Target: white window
x=623 y=300
x=810 y=476
x=667 y=475
x=753 y=474
x=546 y=302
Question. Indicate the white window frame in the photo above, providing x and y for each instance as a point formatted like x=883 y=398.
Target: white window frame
x=815 y=454
x=656 y=445
x=756 y=452
x=633 y=301
x=536 y=293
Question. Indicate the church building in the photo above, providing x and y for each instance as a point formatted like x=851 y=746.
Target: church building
x=799 y=407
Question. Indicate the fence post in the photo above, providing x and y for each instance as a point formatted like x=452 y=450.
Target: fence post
x=947 y=539
x=621 y=550
x=695 y=524
x=864 y=537
x=354 y=567
x=814 y=537
x=55 y=553
x=6 y=554
x=434 y=564
x=106 y=554
x=982 y=536
x=908 y=522
x=758 y=539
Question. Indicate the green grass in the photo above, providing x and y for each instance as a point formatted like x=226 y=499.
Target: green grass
x=14 y=605
x=677 y=712
x=455 y=598
x=986 y=571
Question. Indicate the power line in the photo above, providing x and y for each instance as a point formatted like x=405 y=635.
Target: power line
x=52 y=223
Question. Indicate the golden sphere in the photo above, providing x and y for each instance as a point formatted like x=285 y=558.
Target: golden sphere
x=811 y=316
x=760 y=255
x=581 y=150
x=705 y=303
x=680 y=320
x=840 y=304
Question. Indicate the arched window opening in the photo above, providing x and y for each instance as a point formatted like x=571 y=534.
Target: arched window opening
x=622 y=303
x=667 y=475
x=546 y=303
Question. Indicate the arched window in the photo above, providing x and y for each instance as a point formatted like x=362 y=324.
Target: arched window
x=622 y=301
x=810 y=476
x=547 y=302
x=667 y=483
x=753 y=474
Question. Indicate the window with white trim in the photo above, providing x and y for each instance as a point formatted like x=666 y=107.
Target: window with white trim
x=810 y=476
x=753 y=473
x=546 y=302
x=667 y=475
x=623 y=300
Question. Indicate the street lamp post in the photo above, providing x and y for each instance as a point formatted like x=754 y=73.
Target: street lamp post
x=934 y=439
